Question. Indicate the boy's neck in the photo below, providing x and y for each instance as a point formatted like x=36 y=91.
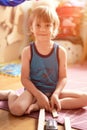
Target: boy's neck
x=44 y=48
x=43 y=44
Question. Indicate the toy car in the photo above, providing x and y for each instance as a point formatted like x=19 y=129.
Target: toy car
x=51 y=125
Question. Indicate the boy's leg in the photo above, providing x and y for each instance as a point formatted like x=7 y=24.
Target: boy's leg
x=73 y=100
x=19 y=104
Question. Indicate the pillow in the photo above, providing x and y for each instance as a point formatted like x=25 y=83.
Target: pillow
x=70 y=22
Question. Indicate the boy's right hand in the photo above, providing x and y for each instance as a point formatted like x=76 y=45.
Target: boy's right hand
x=43 y=102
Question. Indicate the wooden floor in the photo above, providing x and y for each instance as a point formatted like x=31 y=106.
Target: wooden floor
x=10 y=122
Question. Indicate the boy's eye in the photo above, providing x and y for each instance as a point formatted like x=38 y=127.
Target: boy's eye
x=48 y=25
x=38 y=25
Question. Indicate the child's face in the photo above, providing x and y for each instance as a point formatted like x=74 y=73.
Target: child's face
x=42 y=30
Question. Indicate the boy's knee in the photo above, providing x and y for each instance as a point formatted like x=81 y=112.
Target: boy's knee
x=17 y=109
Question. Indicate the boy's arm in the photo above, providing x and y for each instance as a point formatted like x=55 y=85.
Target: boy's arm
x=25 y=71
x=62 y=71
x=55 y=102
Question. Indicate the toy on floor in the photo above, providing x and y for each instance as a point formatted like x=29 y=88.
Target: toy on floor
x=51 y=125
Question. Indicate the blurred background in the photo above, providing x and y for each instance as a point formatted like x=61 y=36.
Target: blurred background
x=72 y=32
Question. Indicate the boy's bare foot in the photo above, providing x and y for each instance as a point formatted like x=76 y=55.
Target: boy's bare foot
x=4 y=94
x=32 y=107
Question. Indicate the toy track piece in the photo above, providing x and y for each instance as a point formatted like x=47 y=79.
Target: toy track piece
x=67 y=123
x=41 y=119
x=54 y=113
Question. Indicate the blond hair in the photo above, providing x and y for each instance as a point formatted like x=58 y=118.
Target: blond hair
x=45 y=14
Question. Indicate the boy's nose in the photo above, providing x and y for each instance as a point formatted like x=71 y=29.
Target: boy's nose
x=43 y=29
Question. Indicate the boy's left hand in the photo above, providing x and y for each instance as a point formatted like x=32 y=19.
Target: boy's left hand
x=55 y=102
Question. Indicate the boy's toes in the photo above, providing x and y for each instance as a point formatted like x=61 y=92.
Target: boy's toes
x=33 y=107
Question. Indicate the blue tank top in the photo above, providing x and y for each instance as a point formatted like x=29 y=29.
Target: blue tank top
x=44 y=69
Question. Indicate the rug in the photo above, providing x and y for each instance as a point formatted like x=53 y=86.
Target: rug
x=77 y=80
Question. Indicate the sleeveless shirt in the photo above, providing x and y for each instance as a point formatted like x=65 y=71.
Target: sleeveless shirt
x=44 y=69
